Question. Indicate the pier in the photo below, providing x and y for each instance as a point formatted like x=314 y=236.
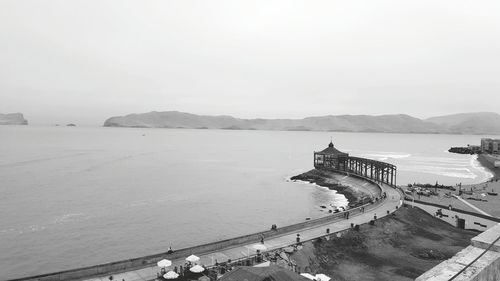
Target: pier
x=332 y=159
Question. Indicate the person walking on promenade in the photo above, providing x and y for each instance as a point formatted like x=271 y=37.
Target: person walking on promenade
x=262 y=239
x=298 y=238
x=375 y=217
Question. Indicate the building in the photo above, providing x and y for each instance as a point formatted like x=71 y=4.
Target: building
x=490 y=146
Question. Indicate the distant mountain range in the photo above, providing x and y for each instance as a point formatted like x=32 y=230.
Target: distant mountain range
x=466 y=123
x=13 y=119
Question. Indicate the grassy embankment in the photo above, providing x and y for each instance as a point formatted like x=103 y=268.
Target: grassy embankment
x=399 y=247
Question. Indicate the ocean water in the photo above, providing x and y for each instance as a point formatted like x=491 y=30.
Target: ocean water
x=74 y=196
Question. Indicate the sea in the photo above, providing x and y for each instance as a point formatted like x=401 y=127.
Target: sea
x=78 y=196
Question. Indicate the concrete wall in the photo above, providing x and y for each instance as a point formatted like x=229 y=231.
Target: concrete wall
x=464 y=263
x=491 y=272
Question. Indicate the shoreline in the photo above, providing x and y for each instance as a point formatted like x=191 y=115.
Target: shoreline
x=325 y=179
x=489 y=202
x=315 y=185
x=485 y=163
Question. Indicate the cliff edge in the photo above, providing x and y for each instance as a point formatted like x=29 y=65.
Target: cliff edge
x=13 y=119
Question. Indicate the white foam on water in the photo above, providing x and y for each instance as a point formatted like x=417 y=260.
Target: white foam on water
x=383 y=155
x=453 y=172
x=9 y=230
x=66 y=218
x=387 y=156
x=338 y=200
x=35 y=228
x=71 y=217
x=474 y=162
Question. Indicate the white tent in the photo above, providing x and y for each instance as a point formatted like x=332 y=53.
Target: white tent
x=170 y=275
x=164 y=263
x=322 y=277
x=308 y=276
x=264 y=264
x=192 y=258
x=197 y=269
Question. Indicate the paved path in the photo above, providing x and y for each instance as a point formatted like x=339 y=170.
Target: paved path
x=237 y=252
x=471 y=222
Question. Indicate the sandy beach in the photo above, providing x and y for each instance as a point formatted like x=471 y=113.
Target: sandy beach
x=491 y=206
x=489 y=203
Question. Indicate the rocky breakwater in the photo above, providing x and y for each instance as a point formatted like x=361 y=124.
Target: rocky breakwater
x=13 y=119
x=356 y=195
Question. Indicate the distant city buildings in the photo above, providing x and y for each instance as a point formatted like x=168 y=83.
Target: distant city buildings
x=490 y=145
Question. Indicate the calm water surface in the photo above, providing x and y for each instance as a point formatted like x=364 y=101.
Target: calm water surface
x=74 y=197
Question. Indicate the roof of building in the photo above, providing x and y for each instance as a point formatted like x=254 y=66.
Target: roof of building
x=270 y=273
x=332 y=150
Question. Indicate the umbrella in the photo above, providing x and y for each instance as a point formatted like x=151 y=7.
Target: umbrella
x=264 y=264
x=322 y=277
x=308 y=276
x=164 y=263
x=192 y=258
x=259 y=247
x=170 y=275
x=198 y=269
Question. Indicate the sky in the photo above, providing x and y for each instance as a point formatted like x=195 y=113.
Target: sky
x=84 y=61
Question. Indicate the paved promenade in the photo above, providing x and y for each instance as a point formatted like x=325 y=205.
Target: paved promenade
x=472 y=206
x=237 y=252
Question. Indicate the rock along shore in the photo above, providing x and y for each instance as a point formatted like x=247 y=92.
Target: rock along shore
x=355 y=196
x=488 y=163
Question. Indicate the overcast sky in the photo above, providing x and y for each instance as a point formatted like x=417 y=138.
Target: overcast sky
x=84 y=61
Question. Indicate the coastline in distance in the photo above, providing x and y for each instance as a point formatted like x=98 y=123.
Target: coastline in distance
x=465 y=123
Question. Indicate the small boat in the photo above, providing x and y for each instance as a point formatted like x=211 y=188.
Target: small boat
x=492 y=193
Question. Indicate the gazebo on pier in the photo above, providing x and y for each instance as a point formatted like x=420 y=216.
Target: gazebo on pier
x=331 y=158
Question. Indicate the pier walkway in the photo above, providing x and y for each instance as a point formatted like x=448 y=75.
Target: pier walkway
x=390 y=204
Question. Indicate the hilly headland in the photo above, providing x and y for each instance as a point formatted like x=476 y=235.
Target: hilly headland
x=13 y=119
